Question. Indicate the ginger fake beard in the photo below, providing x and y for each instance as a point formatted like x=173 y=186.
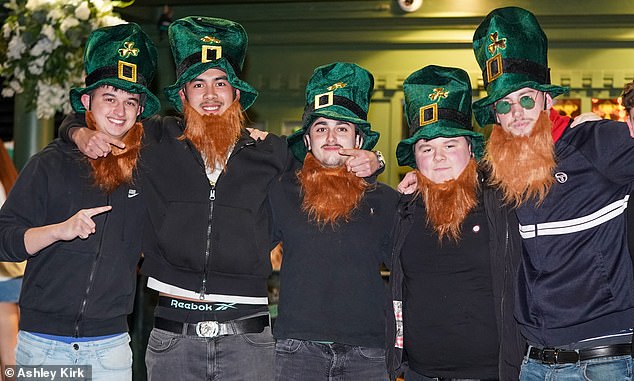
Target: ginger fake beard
x=330 y=194
x=522 y=166
x=117 y=168
x=447 y=204
x=213 y=135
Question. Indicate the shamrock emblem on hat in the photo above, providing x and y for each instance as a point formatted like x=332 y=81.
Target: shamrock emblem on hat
x=439 y=92
x=128 y=49
x=338 y=85
x=210 y=39
x=496 y=43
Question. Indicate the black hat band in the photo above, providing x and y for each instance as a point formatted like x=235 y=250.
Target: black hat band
x=497 y=65
x=198 y=57
x=431 y=114
x=338 y=101
x=126 y=71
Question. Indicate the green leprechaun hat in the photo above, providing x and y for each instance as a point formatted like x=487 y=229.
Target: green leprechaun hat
x=437 y=104
x=339 y=91
x=122 y=56
x=202 y=43
x=512 y=51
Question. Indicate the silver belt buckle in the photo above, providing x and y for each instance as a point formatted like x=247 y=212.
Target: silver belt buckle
x=207 y=328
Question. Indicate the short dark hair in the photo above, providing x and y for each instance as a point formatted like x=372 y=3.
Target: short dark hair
x=142 y=96
x=627 y=97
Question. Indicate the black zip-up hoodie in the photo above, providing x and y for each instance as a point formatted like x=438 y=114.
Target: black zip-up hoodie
x=205 y=238
x=212 y=239
x=82 y=287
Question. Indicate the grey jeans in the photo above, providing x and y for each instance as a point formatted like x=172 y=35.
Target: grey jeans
x=311 y=361
x=171 y=356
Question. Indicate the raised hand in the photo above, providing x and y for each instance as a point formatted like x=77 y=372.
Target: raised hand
x=94 y=144
x=360 y=162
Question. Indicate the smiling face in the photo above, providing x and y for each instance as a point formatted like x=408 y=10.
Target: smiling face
x=525 y=107
x=115 y=111
x=209 y=93
x=442 y=159
x=326 y=137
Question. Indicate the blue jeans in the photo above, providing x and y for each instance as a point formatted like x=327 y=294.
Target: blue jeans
x=111 y=359
x=308 y=360
x=247 y=357
x=10 y=290
x=599 y=369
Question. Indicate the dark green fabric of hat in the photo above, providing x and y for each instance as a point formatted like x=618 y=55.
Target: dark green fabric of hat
x=512 y=51
x=122 y=56
x=339 y=91
x=437 y=104
x=202 y=43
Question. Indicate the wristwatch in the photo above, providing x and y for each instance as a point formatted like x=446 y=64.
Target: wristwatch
x=380 y=158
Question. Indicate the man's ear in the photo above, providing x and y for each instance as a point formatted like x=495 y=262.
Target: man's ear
x=358 y=141
x=141 y=108
x=307 y=142
x=548 y=101
x=85 y=100
x=236 y=96
x=183 y=96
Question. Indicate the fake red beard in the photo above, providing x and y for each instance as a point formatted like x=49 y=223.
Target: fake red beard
x=117 y=168
x=522 y=166
x=330 y=194
x=449 y=203
x=213 y=135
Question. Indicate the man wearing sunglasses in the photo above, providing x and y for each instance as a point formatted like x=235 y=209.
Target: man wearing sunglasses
x=575 y=287
x=517 y=112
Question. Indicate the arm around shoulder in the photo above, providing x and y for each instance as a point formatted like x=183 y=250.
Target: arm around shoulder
x=69 y=125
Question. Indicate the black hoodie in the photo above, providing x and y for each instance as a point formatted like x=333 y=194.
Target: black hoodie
x=82 y=287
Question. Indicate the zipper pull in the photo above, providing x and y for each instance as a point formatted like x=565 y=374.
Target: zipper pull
x=212 y=193
x=203 y=289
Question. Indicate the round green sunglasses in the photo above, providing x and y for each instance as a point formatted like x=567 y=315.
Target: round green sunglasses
x=504 y=107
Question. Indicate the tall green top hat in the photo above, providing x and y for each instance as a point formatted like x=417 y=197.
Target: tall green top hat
x=511 y=49
x=202 y=43
x=122 y=56
x=437 y=104
x=339 y=91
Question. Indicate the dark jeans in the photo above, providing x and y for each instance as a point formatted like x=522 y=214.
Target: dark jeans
x=411 y=375
x=308 y=360
x=246 y=357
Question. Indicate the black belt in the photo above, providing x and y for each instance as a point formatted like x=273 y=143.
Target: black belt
x=214 y=328
x=561 y=356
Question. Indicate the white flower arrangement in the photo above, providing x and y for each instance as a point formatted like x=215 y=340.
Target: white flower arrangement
x=42 y=48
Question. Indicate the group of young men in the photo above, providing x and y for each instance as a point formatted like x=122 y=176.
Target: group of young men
x=472 y=295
